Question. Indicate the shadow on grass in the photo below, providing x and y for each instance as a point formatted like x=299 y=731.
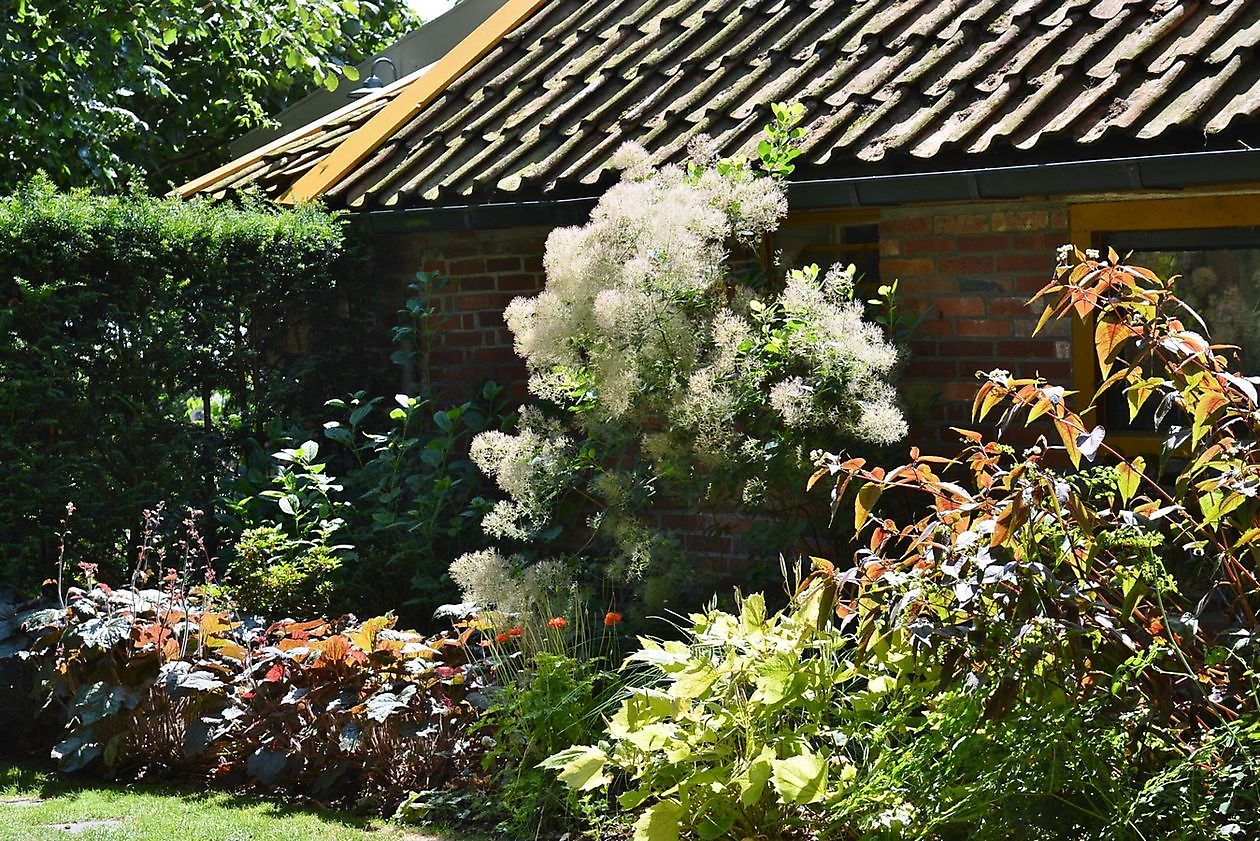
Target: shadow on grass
x=32 y=779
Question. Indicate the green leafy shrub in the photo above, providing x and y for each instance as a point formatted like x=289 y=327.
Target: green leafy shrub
x=736 y=737
x=115 y=313
x=557 y=703
x=273 y=574
x=392 y=493
x=414 y=497
x=1063 y=645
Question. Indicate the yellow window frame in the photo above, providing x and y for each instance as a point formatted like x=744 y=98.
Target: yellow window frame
x=1089 y=223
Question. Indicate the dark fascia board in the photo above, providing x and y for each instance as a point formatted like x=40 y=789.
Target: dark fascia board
x=1154 y=172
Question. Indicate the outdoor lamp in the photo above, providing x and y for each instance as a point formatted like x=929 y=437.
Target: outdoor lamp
x=374 y=82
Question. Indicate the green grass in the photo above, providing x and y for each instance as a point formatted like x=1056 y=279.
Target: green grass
x=37 y=806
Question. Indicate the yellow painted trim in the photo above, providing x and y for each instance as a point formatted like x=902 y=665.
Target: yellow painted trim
x=409 y=101
x=1088 y=224
x=249 y=158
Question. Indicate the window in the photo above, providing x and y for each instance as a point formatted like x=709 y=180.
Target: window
x=1213 y=243
x=829 y=237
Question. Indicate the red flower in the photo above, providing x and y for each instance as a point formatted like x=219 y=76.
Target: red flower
x=557 y=622
x=501 y=638
x=515 y=632
x=611 y=618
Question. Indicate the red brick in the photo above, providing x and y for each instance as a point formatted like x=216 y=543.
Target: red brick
x=475 y=283
x=1009 y=306
x=973 y=264
x=1026 y=262
x=438 y=266
x=943 y=369
x=961 y=223
x=1045 y=243
x=956 y=349
x=899 y=268
x=462 y=267
x=503 y=264
x=927 y=245
x=954 y=307
x=520 y=283
x=493 y=356
x=923 y=349
x=1055 y=372
x=445 y=356
x=982 y=327
x=921 y=285
x=1021 y=220
x=532 y=264
x=959 y=391
x=905 y=225
x=889 y=247
x=1026 y=349
x=473 y=302
x=992 y=242
x=935 y=327
x=1031 y=283
x=473 y=338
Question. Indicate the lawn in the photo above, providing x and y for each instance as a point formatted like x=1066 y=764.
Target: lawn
x=36 y=806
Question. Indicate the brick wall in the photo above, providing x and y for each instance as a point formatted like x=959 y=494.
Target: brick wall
x=972 y=268
x=485 y=271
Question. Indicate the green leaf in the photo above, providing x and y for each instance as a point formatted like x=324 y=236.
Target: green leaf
x=751 y=782
x=580 y=767
x=775 y=677
x=752 y=613
x=1129 y=477
x=867 y=496
x=800 y=779
x=660 y=822
x=694 y=681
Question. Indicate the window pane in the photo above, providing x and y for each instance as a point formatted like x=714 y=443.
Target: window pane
x=1219 y=277
x=802 y=241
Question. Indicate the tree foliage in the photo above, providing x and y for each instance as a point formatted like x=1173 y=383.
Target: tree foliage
x=109 y=92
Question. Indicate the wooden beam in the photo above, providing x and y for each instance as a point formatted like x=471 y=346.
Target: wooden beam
x=409 y=101
x=249 y=158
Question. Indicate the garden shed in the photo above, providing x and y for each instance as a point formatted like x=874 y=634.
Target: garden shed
x=952 y=144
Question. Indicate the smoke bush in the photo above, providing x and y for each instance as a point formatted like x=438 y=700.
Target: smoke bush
x=683 y=370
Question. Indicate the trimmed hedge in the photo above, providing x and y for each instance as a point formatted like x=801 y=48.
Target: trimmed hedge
x=118 y=316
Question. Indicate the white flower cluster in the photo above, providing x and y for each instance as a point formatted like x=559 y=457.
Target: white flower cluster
x=530 y=466
x=645 y=325
x=630 y=294
x=492 y=582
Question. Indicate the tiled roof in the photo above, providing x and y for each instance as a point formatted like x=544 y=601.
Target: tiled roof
x=890 y=86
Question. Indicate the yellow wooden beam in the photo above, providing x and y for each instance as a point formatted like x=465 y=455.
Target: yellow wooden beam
x=409 y=101
x=249 y=158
